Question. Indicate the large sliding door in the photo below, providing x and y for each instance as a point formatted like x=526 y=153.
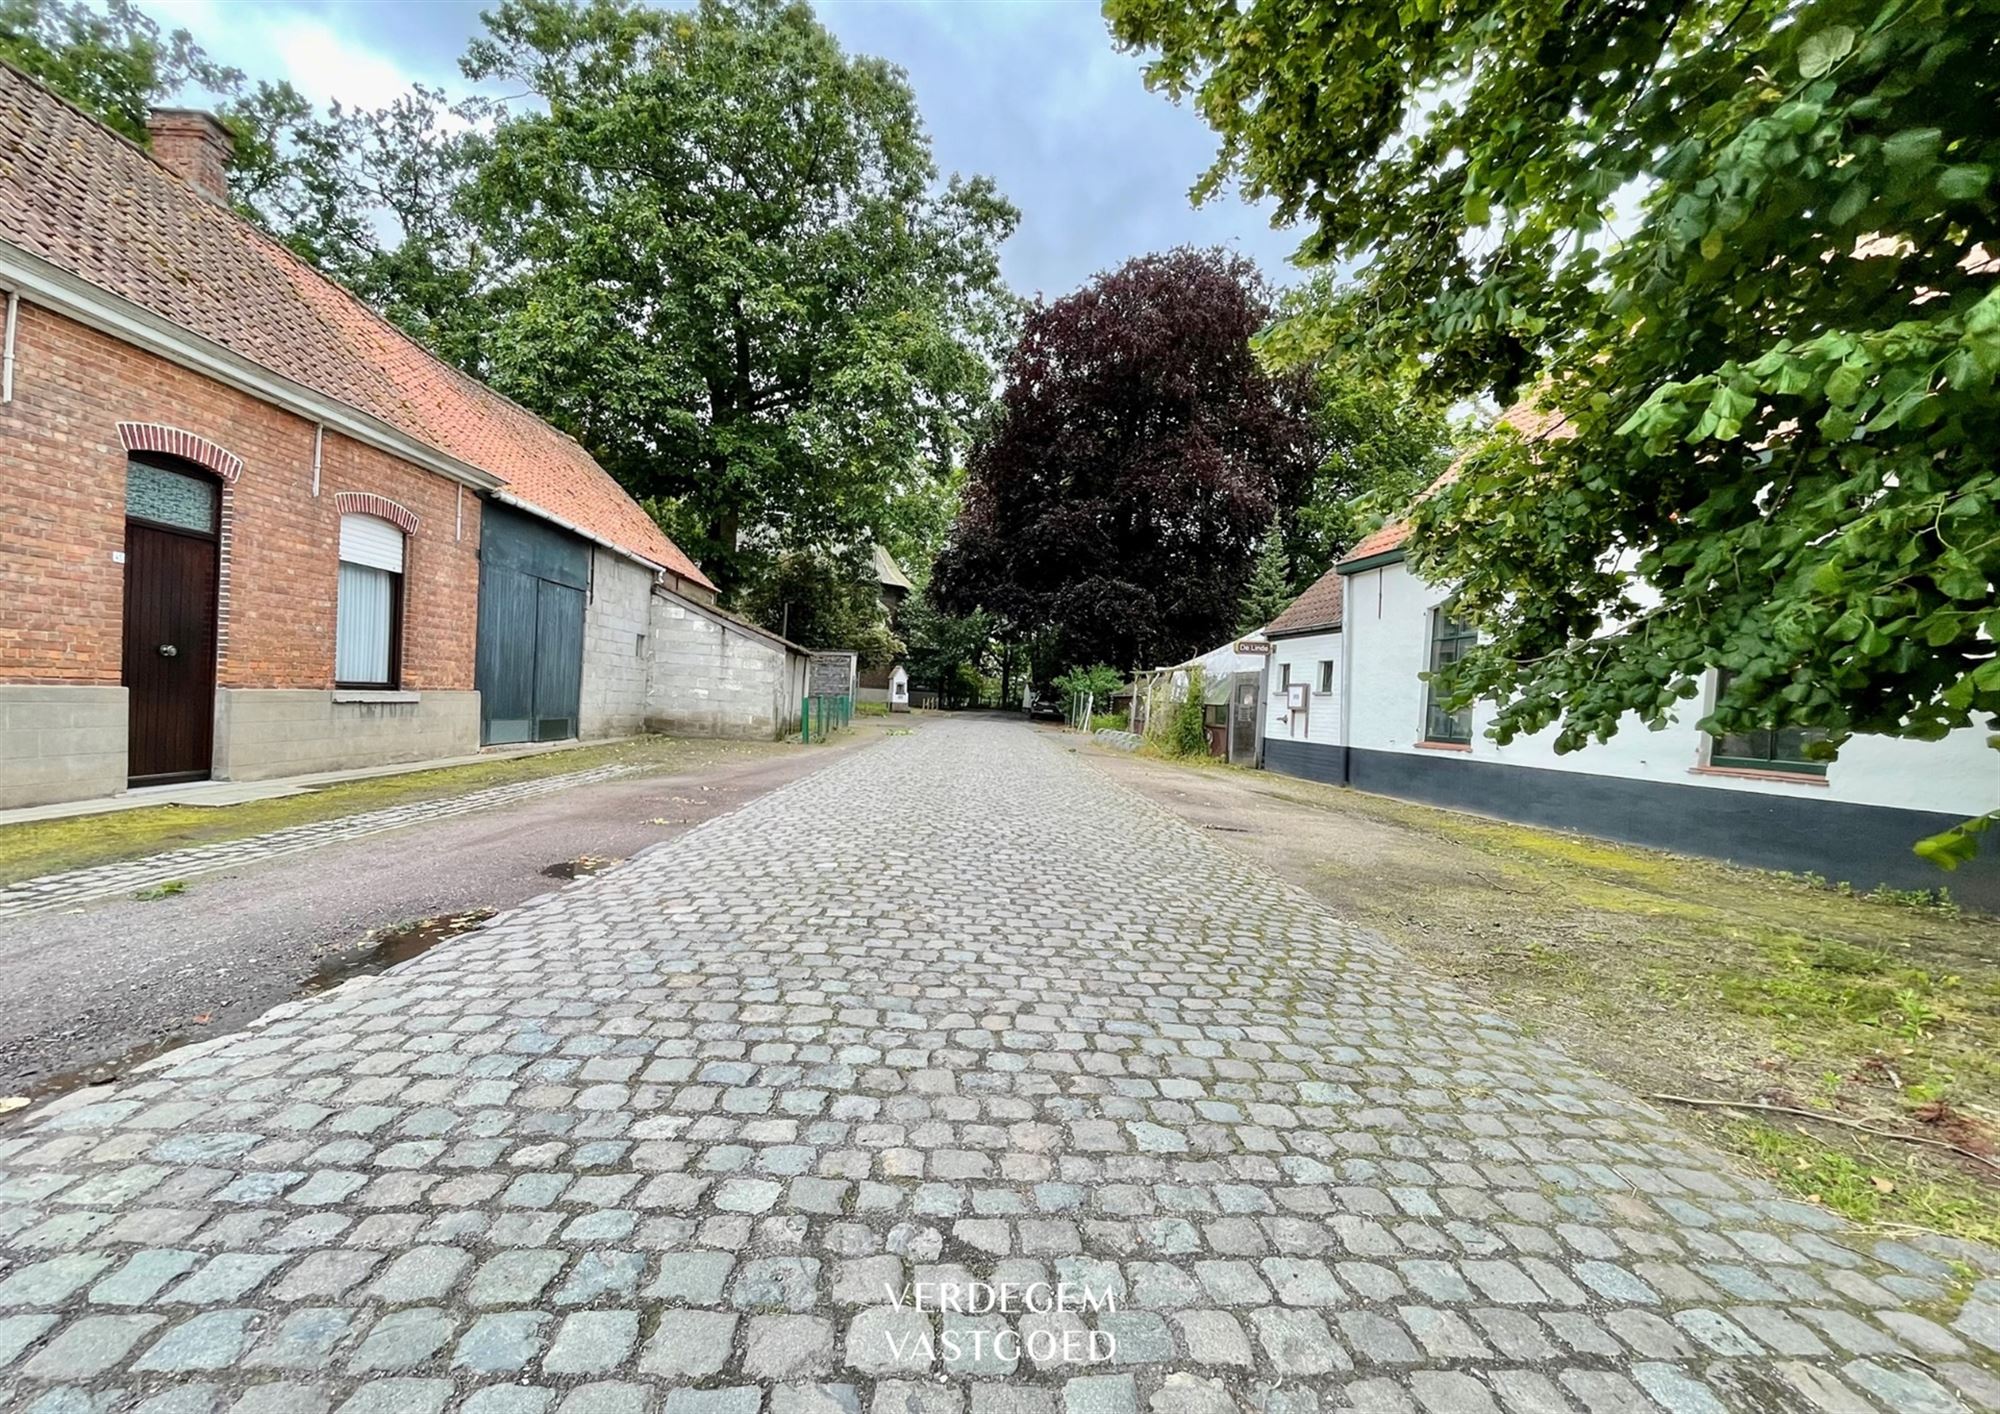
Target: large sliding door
x=532 y=583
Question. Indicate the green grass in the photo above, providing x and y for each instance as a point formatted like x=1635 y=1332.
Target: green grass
x=49 y=846
x=1685 y=976
x=1862 y=1183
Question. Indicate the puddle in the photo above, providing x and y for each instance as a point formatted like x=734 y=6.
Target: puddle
x=386 y=947
x=581 y=867
x=380 y=950
x=104 y=1072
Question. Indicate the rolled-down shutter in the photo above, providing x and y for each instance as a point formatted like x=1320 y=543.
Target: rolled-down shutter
x=371 y=541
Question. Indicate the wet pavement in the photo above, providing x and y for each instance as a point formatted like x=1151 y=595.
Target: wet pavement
x=949 y=1077
x=95 y=986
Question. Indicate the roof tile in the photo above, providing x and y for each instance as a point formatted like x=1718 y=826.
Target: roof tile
x=1317 y=608
x=82 y=198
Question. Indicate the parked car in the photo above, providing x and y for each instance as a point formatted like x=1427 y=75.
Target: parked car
x=1047 y=706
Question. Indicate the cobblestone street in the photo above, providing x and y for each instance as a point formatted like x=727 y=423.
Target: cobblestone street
x=953 y=1013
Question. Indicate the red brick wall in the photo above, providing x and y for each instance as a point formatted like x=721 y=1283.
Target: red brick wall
x=62 y=515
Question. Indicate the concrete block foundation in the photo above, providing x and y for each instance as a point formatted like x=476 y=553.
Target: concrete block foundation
x=266 y=732
x=60 y=742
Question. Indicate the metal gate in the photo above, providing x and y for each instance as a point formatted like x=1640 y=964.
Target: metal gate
x=529 y=671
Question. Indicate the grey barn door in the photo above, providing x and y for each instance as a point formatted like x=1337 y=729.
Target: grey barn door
x=532 y=579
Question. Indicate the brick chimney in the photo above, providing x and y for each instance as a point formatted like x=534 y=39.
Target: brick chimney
x=194 y=147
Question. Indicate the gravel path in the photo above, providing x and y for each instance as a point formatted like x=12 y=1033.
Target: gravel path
x=731 y=1128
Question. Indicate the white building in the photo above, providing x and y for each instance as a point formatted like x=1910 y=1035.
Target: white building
x=1302 y=697
x=1360 y=639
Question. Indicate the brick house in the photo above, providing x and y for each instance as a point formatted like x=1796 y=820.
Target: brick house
x=250 y=529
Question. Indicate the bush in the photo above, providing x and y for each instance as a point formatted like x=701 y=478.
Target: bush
x=1099 y=681
x=1187 y=726
x=1108 y=722
x=871 y=709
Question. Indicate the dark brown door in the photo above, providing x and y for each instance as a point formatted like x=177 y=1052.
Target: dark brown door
x=169 y=652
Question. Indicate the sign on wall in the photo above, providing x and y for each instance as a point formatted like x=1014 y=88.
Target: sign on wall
x=1255 y=647
x=831 y=674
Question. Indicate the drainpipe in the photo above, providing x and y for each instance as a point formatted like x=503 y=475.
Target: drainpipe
x=1347 y=621
x=7 y=349
x=319 y=442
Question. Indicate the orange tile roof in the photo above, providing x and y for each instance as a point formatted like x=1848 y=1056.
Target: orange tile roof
x=1534 y=423
x=1381 y=542
x=1316 y=608
x=82 y=198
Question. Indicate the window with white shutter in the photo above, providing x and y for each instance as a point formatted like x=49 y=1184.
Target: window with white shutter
x=368 y=624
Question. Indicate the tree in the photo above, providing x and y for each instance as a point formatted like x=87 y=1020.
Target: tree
x=1380 y=440
x=1187 y=723
x=941 y=645
x=729 y=268
x=1096 y=682
x=1136 y=457
x=114 y=62
x=1776 y=384
x=707 y=243
x=824 y=600
x=1270 y=590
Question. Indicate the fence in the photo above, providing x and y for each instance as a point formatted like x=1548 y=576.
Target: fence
x=827 y=714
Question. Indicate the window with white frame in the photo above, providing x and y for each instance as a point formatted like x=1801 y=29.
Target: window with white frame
x=368 y=623
x=1326 y=675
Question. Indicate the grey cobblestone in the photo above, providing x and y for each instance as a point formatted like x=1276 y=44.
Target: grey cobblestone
x=678 y=1139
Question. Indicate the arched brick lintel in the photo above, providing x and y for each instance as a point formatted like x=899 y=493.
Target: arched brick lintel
x=367 y=503
x=173 y=442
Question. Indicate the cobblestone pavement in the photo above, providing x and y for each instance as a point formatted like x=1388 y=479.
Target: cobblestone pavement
x=955 y=1010
x=52 y=891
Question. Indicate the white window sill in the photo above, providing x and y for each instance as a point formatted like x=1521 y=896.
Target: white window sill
x=373 y=696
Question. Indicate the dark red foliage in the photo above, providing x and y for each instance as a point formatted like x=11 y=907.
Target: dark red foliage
x=1138 y=456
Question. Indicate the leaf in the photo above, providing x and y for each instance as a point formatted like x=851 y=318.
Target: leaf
x=1821 y=50
x=1911 y=146
x=1966 y=182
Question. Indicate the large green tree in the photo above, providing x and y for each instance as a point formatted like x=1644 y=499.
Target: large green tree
x=730 y=267
x=1748 y=250
x=706 y=242
x=1380 y=440
x=112 y=61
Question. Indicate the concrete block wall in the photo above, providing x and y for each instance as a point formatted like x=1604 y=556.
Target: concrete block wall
x=713 y=677
x=60 y=742
x=617 y=647
x=261 y=733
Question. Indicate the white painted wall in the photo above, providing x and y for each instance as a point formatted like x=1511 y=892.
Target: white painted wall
x=1387 y=619
x=1304 y=654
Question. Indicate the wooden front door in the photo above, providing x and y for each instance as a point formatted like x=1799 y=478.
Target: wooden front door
x=170 y=580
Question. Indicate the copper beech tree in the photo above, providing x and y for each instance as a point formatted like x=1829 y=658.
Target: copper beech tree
x=1136 y=460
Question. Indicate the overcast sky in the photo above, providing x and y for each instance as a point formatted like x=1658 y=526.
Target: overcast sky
x=1029 y=92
